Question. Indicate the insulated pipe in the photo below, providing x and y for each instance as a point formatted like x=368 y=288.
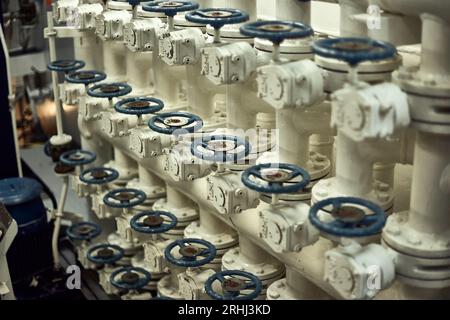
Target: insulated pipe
x=430 y=193
x=294 y=10
x=89 y=49
x=57 y=227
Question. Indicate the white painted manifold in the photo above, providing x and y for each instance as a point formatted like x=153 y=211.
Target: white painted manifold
x=311 y=263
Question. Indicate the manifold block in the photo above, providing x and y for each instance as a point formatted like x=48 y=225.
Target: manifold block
x=192 y=283
x=116 y=125
x=140 y=35
x=109 y=24
x=359 y=272
x=91 y=108
x=83 y=16
x=62 y=9
x=154 y=255
x=71 y=92
x=229 y=195
x=183 y=166
x=291 y=85
x=181 y=47
x=228 y=64
x=369 y=111
x=146 y=143
x=286 y=228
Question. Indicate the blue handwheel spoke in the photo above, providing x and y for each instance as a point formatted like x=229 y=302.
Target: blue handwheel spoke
x=368 y=225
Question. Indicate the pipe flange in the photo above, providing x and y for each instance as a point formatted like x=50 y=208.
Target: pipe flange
x=184 y=215
x=267 y=271
x=166 y=288
x=335 y=71
x=153 y=193
x=119 y=5
x=381 y=194
x=401 y=236
x=421 y=259
x=128 y=247
x=292 y=49
x=428 y=97
x=146 y=14
x=280 y=290
x=219 y=240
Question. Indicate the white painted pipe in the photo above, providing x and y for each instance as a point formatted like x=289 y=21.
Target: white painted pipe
x=293 y=10
x=430 y=193
x=305 y=288
x=415 y=7
x=57 y=225
x=122 y=160
x=139 y=72
x=350 y=27
x=251 y=253
x=176 y=199
x=56 y=95
x=435 y=46
x=114 y=59
x=89 y=49
x=248 y=6
x=147 y=178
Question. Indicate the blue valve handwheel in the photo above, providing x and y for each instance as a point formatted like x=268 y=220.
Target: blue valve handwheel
x=77 y=157
x=139 y=106
x=109 y=90
x=65 y=65
x=217 y=17
x=153 y=222
x=124 y=198
x=233 y=286
x=220 y=148
x=349 y=221
x=354 y=50
x=175 y=123
x=130 y=278
x=105 y=253
x=276 y=30
x=277 y=176
x=169 y=8
x=134 y=2
x=85 y=76
x=99 y=175
x=84 y=231
x=190 y=250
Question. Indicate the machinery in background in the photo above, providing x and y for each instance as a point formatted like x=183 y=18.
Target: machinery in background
x=207 y=150
x=8 y=231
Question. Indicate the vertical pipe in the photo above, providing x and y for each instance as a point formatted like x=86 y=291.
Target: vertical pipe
x=58 y=216
x=147 y=178
x=353 y=170
x=293 y=145
x=114 y=59
x=430 y=192
x=252 y=253
x=435 y=45
x=294 y=10
x=139 y=72
x=89 y=49
x=176 y=199
x=350 y=27
x=122 y=160
x=210 y=223
x=52 y=51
